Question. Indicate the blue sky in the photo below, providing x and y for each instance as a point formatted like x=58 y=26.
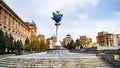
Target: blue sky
x=81 y=17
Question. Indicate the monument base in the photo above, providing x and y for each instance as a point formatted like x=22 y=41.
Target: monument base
x=58 y=46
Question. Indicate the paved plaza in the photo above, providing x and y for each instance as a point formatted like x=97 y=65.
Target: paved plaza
x=56 y=54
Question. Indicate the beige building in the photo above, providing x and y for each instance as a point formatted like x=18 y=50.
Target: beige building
x=86 y=42
x=41 y=37
x=51 y=41
x=101 y=38
x=54 y=40
x=32 y=27
x=11 y=23
x=67 y=40
x=106 y=39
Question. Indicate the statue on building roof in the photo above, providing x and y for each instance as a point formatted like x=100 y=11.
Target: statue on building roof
x=33 y=23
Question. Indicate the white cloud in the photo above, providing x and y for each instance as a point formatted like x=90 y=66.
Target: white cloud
x=83 y=16
x=50 y=5
x=90 y=27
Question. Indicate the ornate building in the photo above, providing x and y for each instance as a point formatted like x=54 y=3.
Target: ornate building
x=67 y=40
x=101 y=38
x=32 y=27
x=11 y=23
x=86 y=42
x=106 y=39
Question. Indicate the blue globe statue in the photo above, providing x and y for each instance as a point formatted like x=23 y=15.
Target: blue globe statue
x=57 y=16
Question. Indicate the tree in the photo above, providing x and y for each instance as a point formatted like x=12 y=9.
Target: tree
x=15 y=44
x=77 y=43
x=70 y=45
x=37 y=44
x=77 y=40
x=7 y=42
x=12 y=47
x=34 y=43
x=43 y=45
x=27 y=41
x=18 y=44
x=2 y=42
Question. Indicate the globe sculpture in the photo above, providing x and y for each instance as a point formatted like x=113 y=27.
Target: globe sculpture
x=57 y=16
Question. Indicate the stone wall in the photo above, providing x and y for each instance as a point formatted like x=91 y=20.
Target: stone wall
x=114 y=59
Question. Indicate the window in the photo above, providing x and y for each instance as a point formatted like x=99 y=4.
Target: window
x=118 y=35
x=4 y=19
x=12 y=30
x=0 y=14
x=9 y=20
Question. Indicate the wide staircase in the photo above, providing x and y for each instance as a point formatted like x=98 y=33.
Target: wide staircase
x=83 y=62
x=55 y=59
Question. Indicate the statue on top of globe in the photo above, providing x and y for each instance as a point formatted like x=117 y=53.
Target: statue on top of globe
x=57 y=16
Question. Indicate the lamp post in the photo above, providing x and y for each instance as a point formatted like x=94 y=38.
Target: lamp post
x=57 y=16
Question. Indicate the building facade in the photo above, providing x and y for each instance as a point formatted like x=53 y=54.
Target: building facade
x=67 y=40
x=41 y=37
x=106 y=39
x=51 y=41
x=32 y=28
x=118 y=38
x=11 y=23
x=86 y=42
x=101 y=38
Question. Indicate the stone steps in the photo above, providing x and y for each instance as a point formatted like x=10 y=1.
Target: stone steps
x=55 y=59
x=55 y=63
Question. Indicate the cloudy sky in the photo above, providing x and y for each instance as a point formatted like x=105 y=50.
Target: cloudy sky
x=81 y=17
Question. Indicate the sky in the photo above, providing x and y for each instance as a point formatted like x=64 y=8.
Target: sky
x=80 y=17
